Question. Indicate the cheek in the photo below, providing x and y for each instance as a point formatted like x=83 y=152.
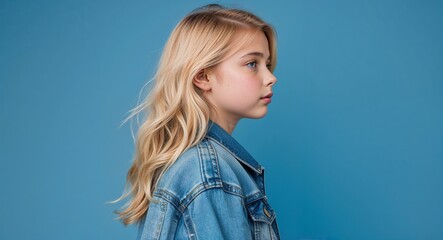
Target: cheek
x=249 y=86
x=236 y=84
x=253 y=82
x=245 y=86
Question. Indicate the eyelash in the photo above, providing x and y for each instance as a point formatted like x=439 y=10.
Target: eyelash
x=255 y=65
x=252 y=62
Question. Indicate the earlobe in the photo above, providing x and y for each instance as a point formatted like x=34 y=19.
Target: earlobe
x=201 y=81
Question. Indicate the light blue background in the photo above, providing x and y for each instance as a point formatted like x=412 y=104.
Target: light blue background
x=352 y=145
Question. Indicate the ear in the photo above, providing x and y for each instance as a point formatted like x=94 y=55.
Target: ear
x=201 y=81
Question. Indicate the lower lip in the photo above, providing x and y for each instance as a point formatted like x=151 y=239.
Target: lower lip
x=266 y=100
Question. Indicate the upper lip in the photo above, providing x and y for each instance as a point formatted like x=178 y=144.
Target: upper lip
x=268 y=96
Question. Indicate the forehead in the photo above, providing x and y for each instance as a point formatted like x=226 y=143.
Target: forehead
x=248 y=41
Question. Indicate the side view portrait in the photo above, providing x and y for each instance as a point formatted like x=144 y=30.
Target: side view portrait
x=190 y=179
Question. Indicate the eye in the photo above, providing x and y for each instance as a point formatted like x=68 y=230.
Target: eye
x=269 y=66
x=252 y=64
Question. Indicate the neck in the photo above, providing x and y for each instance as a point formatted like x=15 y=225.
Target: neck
x=227 y=125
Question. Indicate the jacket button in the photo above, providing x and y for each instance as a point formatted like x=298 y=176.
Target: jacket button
x=266 y=212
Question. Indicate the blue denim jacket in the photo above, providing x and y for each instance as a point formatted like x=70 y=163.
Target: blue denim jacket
x=215 y=190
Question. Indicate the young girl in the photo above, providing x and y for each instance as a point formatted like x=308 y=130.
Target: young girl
x=190 y=178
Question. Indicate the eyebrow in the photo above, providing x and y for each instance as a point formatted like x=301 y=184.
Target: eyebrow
x=258 y=54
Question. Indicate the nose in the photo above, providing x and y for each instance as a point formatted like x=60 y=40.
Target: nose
x=270 y=79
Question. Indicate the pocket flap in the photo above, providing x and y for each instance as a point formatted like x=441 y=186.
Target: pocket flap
x=261 y=211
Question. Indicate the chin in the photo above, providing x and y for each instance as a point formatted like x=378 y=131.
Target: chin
x=258 y=115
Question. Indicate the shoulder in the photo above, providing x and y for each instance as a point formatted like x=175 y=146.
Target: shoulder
x=204 y=166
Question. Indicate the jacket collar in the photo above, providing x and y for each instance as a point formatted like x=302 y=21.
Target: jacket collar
x=220 y=135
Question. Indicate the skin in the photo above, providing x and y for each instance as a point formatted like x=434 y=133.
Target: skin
x=237 y=86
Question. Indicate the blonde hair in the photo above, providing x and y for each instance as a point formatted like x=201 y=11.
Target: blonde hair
x=176 y=115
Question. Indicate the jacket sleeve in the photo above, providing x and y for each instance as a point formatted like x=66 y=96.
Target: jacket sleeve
x=212 y=214
x=216 y=214
x=156 y=224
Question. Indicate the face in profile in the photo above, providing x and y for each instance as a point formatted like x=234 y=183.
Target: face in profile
x=241 y=85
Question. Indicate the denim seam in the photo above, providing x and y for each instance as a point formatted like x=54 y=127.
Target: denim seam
x=254 y=197
x=256 y=217
x=189 y=225
x=205 y=148
x=169 y=197
x=260 y=170
x=163 y=209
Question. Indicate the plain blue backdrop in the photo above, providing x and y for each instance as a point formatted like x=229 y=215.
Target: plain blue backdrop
x=352 y=144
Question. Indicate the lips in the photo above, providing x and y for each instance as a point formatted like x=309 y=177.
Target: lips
x=268 y=96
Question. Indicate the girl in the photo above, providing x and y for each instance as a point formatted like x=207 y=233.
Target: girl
x=190 y=179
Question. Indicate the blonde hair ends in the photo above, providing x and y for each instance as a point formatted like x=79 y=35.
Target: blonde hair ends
x=175 y=113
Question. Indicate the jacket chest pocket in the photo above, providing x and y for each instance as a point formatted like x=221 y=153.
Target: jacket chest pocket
x=262 y=219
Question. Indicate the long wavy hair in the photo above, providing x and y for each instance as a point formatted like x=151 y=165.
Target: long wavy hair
x=175 y=113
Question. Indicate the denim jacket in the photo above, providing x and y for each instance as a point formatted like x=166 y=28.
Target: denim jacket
x=215 y=190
